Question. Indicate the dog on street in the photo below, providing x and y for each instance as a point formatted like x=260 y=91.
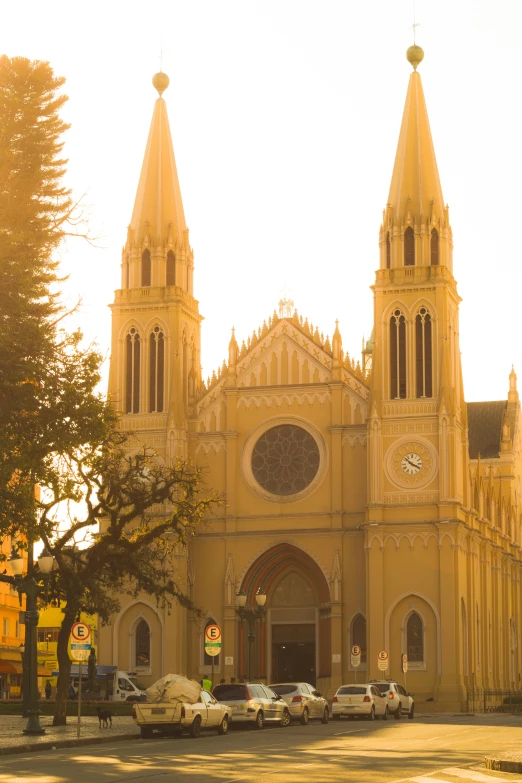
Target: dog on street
x=105 y=717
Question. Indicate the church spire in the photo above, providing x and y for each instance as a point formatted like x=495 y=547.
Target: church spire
x=415 y=185
x=415 y=202
x=158 y=208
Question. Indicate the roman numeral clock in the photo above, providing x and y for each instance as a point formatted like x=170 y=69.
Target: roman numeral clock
x=411 y=463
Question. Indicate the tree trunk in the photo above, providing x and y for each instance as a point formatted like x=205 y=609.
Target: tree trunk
x=64 y=666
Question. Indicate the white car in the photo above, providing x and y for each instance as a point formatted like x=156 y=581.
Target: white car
x=359 y=700
x=175 y=716
x=399 y=702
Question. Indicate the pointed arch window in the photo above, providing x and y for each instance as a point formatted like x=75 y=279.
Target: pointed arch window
x=388 y=251
x=132 y=372
x=409 y=247
x=146 y=268
x=423 y=353
x=207 y=659
x=142 y=639
x=157 y=370
x=397 y=356
x=359 y=634
x=171 y=269
x=434 y=247
x=415 y=638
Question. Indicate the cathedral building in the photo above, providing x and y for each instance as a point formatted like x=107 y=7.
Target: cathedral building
x=367 y=500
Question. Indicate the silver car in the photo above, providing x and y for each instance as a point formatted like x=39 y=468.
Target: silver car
x=303 y=700
x=253 y=703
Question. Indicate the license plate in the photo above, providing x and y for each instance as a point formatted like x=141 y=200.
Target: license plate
x=158 y=711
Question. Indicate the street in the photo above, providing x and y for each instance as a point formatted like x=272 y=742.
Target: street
x=446 y=749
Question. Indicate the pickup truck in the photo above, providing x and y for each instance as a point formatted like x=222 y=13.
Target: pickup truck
x=175 y=717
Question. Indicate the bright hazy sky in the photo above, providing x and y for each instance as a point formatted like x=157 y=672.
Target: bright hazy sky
x=285 y=116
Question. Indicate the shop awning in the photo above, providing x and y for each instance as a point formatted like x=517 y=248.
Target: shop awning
x=7 y=667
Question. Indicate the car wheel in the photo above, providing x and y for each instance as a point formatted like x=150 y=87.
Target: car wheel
x=411 y=713
x=326 y=715
x=336 y=717
x=386 y=713
x=398 y=712
x=195 y=728
x=260 y=720
x=304 y=717
x=223 y=726
x=285 y=718
x=146 y=732
x=371 y=716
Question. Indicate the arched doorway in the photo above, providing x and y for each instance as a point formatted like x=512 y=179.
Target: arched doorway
x=292 y=614
x=294 y=641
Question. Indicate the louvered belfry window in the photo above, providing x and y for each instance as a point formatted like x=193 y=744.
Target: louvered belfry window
x=409 y=247
x=146 y=268
x=397 y=356
x=171 y=269
x=434 y=247
x=157 y=370
x=132 y=372
x=423 y=353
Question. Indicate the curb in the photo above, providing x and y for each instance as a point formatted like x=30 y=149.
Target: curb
x=503 y=765
x=31 y=747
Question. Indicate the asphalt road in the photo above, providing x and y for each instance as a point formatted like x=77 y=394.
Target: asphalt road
x=438 y=749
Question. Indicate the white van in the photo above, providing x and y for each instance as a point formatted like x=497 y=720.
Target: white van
x=112 y=684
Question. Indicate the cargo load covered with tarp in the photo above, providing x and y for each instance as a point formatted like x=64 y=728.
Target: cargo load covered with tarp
x=172 y=688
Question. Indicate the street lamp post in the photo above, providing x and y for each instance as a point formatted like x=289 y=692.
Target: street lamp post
x=24 y=696
x=27 y=584
x=251 y=614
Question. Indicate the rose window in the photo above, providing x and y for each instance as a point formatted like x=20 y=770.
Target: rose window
x=285 y=459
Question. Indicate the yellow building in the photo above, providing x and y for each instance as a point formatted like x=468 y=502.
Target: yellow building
x=370 y=502
x=12 y=634
x=49 y=624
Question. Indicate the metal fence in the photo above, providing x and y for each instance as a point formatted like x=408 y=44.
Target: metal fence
x=494 y=700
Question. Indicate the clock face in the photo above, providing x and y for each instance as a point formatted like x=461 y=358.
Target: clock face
x=411 y=463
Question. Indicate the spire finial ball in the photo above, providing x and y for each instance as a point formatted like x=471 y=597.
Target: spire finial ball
x=160 y=81
x=415 y=55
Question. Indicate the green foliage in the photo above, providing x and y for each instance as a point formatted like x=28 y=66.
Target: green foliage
x=47 y=382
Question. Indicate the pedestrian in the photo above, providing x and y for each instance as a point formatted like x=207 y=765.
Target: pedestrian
x=222 y=681
x=206 y=684
x=72 y=692
x=48 y=690
x=232 y=680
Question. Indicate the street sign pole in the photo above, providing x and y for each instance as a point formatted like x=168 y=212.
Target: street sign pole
x=79 y=700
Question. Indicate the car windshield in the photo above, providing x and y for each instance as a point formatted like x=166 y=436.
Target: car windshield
x=230 y=692
x=382 y=686
x=283 y=690
x=137 y=684
x=359 y=690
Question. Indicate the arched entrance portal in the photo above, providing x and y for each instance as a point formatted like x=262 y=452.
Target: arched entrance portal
x=293 y=643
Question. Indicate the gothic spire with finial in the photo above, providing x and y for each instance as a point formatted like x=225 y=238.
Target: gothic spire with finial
x=158 y=207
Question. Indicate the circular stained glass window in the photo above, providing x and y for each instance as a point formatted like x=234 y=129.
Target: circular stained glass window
x=285 y=459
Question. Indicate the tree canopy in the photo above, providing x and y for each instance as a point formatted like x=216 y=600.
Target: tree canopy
x=108 y=510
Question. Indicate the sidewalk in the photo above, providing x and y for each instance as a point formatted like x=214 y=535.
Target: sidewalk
x=13 y=741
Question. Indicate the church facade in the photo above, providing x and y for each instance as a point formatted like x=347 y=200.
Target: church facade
x=367 y=500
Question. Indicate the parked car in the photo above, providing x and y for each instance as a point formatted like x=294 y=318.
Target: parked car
x=303 y=700
x=253 y=703
x=359 y=700
x=399 y=702
x=172 y=717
